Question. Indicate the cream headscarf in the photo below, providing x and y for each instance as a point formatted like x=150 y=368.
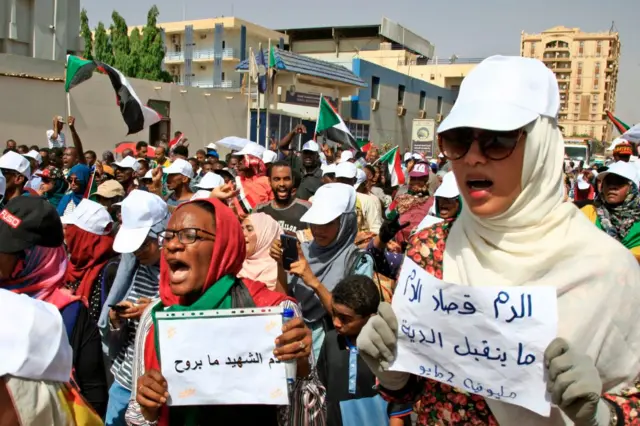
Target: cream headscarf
x=542 y=241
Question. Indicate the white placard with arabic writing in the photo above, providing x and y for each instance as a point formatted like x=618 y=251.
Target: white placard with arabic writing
x=222 y=357
x=488 y=341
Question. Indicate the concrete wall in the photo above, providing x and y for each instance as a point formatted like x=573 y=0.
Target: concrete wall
x=25 y=27
x=30 y=104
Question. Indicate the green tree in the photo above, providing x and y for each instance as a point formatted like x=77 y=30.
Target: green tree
x=120 y=44
x=152 y=52
x=135 y=47
x=85 y=33
x=103 y=51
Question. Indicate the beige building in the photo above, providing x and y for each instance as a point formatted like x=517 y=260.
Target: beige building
x=205 y=52
x=586 y=66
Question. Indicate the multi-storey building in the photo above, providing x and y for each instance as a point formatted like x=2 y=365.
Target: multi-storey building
x=586 y=66
x=205 y=52
x=42 y=29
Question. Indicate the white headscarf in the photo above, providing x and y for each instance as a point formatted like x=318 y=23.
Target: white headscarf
x=542 y=241
x=33 y=341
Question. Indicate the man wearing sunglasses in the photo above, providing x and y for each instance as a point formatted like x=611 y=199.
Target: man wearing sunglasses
x=17 y=173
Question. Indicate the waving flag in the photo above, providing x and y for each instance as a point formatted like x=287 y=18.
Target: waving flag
x=394 y=163
x=620 y=125
x=330 y=125
x=262 y=71
x=135 y=114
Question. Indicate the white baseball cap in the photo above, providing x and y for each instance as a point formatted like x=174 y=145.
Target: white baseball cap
x=89 y=216
x=329 y=202
x=408 y=156
x=179 y=167
x=141 y=210
x=582 y=184
x=128 y=162
x=504 y=93
x=346 y=170
x=417 y=157
x=35 y=155
x=149 y=174
x=251 y=148
x=449 y=187
x=211 y=146
x=16 y=162
x=201 y=194
x=210 y=181
x=269 y=156
x=620 y=168
x=329 y=168
x=345 y=156
x=311 y=146
x=361 y=177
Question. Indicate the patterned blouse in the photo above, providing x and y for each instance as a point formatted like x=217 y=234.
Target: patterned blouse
x=440 y=404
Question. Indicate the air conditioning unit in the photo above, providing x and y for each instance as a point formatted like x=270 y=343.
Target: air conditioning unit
x=175 y=39
x=374 y=104
x=203 y=67
x=401 y=111
x=422 y=114
x=203 y=36
x=432 y=77
x=438 y=118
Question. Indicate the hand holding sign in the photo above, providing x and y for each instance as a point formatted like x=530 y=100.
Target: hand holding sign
x=485 y=340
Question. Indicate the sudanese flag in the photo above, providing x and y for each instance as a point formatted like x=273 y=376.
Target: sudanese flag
x=136 y=116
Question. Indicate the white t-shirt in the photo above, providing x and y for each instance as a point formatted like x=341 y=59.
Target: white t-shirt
x=56 y=143
x=371 y=210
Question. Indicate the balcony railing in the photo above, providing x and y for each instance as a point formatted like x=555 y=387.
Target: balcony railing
x=200 y=55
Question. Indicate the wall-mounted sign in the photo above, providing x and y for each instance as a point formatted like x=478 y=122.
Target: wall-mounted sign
x=306 y=99
x=423 y=137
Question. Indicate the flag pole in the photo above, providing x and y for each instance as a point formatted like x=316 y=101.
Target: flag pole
x=267 y=98
x=66 y=66
x=315 y=132
x=259 y=108
x=249 y=97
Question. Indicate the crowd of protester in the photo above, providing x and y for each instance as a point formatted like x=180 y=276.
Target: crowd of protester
x=91 y=248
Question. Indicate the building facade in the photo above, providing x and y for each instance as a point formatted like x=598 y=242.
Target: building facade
x=586 y=66
x=205 y=52
x=42 y=29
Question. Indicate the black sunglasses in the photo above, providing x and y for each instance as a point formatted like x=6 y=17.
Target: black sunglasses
x=494 y=145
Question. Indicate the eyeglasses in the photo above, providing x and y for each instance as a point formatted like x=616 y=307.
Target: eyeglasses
x=185 y=236
x=493 y=145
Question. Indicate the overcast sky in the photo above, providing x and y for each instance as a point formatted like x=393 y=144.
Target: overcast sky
x=468 y=28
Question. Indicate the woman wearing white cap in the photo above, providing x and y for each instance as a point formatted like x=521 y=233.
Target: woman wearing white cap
x=506 y=151
x=325 y=261
x=616 y=211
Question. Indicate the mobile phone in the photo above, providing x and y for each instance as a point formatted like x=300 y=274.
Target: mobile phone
x=289 y=250
x=119 y=308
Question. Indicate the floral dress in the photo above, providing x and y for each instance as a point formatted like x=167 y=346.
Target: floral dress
x=440 y=404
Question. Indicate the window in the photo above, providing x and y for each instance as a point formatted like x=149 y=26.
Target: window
x=423 y=101
x=400 y=95
x=439 y=106
x=593 y=117
x=593 y=107
x=573 y=130
x=599 y=48
x=579 y=68
x=597 y=69
x=576 y=106
x=581 y=49
x=533 y=49
x=595 y=98
x=375 y=87
x=576 y=117
x=596 y=84
x=577 y=97
x=578 y=83
x=592 y=131
x=223 y=44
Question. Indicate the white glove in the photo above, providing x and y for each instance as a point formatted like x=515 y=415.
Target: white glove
x=575 y=385
x=377 y=344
